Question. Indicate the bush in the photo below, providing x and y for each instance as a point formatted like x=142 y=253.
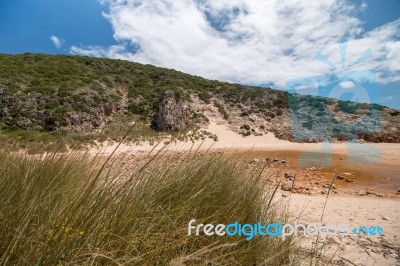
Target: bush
x=205 y=97
x=348 y=107
x=246 y=133
x=270 y=114
x=245 y=127
x=308 y=125
x=221 y=110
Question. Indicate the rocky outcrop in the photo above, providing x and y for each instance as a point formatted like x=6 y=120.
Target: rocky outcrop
x=172 y=114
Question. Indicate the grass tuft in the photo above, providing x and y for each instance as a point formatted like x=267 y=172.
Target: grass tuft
x=69 y=209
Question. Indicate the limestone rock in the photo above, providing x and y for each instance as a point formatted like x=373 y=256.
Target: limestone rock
x=286 y=186
x=172 y=113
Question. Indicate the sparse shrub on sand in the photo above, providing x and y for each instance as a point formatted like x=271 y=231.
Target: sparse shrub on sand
x=245 y=127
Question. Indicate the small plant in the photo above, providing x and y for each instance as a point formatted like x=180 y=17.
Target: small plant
x=245 y=127
x=270 y=114
x=279 y=134
x=246 y=133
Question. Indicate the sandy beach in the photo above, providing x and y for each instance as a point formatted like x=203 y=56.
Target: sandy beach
x=354 y=211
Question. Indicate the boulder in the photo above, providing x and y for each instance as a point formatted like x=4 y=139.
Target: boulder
x=171 y=114
x=286 y=186
x=290 y=175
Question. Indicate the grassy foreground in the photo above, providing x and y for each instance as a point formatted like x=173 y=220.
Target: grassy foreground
x=69 y=209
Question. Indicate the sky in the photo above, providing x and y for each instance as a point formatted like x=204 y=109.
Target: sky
x=336 y=48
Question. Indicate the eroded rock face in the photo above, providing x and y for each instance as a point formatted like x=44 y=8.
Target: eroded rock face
x=171 y=114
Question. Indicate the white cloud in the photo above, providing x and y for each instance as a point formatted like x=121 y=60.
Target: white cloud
x=347 y=84
x=363 y=6
x=56 y=41
x=389 y=98
x=247 y=41
x=393 y=55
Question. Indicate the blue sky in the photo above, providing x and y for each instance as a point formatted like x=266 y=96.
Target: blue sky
x=250 y=42
x=26 y=25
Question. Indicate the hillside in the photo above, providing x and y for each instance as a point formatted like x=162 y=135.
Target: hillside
x=46 y=95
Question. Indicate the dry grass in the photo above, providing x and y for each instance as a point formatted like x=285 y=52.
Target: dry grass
x=67 y=209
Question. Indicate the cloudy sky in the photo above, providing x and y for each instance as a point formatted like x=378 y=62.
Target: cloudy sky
x=266 y=43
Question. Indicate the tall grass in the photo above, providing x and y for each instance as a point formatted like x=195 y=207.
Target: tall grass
x=70 y=209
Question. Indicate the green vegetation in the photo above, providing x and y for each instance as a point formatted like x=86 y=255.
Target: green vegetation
x=221 y=110
x=114 y=131
x=43 y=90
x=70 y=99
x=71 y=210
x=246 y=133
x=245 y=127
x=246 y=130
x=74 y=79
x=308 y=125
x=348 y=107
x=205 y=97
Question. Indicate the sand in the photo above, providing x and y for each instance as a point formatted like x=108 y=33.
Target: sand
x=268 y=142
x=374 y=163
x=354 y=211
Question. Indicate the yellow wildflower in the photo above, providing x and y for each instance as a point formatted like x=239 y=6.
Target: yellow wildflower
x=67 y=228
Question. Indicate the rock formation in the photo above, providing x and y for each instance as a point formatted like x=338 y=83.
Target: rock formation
x=171 y=114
